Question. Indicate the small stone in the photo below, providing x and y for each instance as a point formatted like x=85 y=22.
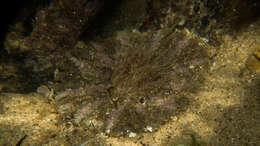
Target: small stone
x=107 y=131
x=182 y=22
x=253 y=63
x=44 y=90
x=132 y=135
x=191 y=66
x=149 y=129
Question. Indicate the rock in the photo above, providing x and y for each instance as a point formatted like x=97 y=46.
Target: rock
x=45 y=91
x=149 y=129
x=253 y=62
x=132 y=135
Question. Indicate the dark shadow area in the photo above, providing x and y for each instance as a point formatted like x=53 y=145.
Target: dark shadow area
x=108 y=13
x=235 y=125
x=188 y=137
x=16 y=11
x=8 y=15
x=245 y=13
x=238 y=124
x=8 y=12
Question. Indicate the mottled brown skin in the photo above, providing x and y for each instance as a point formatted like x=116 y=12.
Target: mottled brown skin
x=138 y=78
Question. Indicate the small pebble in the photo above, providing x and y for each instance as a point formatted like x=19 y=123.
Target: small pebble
x=149 y=129
x=107 y=131
x=132 y=135
x=182 y=22
x=181 y=145
x=44 y=90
